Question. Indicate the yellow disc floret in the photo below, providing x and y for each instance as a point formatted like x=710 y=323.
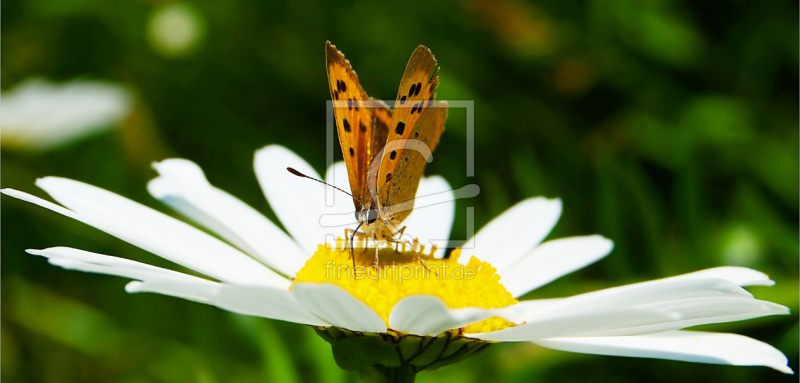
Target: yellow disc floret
x=401 y=273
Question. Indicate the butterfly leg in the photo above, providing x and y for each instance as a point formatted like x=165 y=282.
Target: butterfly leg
x=414 y=248
x=397 y=243
x=414 y=245
x=350 y=235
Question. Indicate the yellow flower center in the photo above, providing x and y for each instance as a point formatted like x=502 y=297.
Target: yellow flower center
x=401 y=273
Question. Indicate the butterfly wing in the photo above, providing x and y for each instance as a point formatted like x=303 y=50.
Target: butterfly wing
x=417 y=123
x=362 y=123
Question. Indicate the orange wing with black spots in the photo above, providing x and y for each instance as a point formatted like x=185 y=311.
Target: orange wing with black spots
x=362 y=123
x=417 y=123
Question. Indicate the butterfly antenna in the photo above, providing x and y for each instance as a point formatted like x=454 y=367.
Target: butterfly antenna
x=297 y=173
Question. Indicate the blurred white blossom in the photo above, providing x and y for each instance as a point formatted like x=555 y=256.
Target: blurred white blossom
x=40 y=115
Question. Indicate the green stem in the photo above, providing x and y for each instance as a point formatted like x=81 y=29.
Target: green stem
x=383 y=374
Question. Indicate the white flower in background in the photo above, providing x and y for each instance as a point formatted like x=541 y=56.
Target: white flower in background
x=39 y=115
x=417 y=323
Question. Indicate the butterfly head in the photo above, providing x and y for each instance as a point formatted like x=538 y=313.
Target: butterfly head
x=367 y=215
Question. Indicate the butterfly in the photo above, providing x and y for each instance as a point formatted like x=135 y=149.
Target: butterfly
x=385 y=150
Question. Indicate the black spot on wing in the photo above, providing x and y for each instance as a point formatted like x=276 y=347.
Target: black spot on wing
x=393 y=154
x=346 y=125
x=362 y=127
x=352 y=152
x=401 y=126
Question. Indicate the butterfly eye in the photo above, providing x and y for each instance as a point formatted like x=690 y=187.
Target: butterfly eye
x=372 y=216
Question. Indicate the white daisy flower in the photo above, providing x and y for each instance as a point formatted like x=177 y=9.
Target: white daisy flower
x=449 y=309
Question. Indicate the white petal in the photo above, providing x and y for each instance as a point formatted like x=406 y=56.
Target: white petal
x=693 y=312
x=196 y=291
x=268 y=302
x=514 y=233
x=40 y=202
x=299 y=203
x=336 y=306
x=151 y=230
x=687 y=346
x=553 y=259
x=432 y=218
x=700 y=311
x=76 y=259
x=573 y=325
x=636 y=294
x=428 y=315
x=523 y=310
x=183 y=186
x=262 y=301
x=625 y=299
x=702 y=302
x=665 y=316
x=742 y=276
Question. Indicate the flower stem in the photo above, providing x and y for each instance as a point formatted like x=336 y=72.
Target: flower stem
x=383 y=374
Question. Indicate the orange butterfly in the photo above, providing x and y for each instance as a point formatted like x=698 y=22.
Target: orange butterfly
x=386 y=150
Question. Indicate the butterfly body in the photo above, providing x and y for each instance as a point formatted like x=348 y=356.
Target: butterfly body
x=385 y=150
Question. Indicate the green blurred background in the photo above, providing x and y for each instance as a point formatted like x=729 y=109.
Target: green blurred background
x=669 y=126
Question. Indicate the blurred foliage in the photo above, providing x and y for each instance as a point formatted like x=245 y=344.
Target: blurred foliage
x=669 y=126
